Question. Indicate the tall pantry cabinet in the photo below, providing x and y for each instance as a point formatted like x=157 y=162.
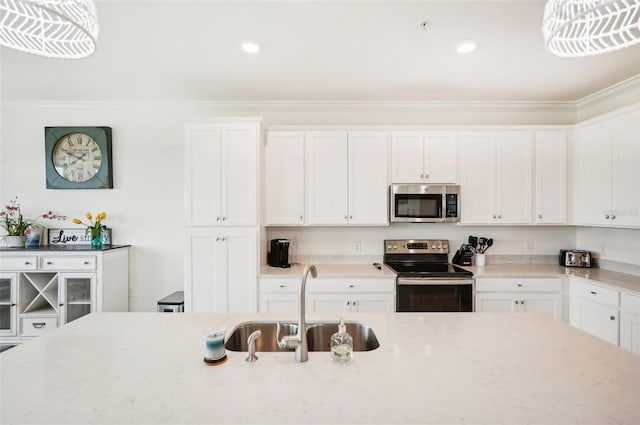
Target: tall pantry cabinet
x=221 y=212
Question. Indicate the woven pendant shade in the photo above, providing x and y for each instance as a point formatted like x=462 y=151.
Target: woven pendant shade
x=52 y=28
x=574 y=28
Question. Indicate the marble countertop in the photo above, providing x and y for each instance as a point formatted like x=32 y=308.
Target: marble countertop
x=435 y=368
x=331 y=270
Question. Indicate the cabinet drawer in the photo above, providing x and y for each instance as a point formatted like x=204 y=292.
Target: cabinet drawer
x=630 y=303
x=351 y=285
x=87 y=262
x=35 y=326
x=595 y=293
x=18 y=263
x=279 y=285
x=519 y=284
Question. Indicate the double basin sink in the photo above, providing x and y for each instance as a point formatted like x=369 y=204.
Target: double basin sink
x=318 y=336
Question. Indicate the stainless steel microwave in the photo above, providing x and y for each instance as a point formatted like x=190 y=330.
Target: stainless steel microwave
x=424 y=203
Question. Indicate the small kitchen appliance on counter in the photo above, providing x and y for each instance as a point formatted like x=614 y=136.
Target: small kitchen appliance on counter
x=463 y=255
x=575 y=258
x=279 y=254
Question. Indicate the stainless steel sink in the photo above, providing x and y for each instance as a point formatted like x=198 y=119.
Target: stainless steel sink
x=318 y=336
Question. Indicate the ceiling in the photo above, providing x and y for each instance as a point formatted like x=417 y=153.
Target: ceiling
x=316 y=51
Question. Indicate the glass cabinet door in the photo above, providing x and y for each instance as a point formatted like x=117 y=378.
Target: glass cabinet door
x=78 y=295
x=7 y=304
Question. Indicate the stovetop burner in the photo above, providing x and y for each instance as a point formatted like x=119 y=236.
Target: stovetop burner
x=431 y=269
x=421 y=258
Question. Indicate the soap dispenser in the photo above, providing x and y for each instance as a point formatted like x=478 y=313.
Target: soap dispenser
x=341 y=344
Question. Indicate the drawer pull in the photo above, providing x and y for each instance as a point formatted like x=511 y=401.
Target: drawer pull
x=520 y=285
x=86 y=263
x=594 y=293
x=351 y=286
x=282 y=286
x=26 y=263
x=38 y=325
x=49 y=263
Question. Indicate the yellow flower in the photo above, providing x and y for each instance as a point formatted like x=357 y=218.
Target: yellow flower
x=77 y=221
x=88 y=215
x=101 y=216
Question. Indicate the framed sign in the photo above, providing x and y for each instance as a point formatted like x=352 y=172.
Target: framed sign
x=75 y=237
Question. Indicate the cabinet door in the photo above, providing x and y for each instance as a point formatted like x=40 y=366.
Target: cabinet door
x=278 y=303
x=440 y=157
x=626 y=170
x=372 y=303
x=596 y=319
x=407 y=157
x=495 y=303
x=541 y=303
x=202 y=174
x=594 y=173
x=326 y=177
x=550 y=177
x=239 y=175
x=284 y=178
x=237 y=275
x=514 y=177
x=368 y=177
x=8 y=304
x=78 y=295
x=328 y=303
x=630 y=332
x=477 y=177
x=202 y=292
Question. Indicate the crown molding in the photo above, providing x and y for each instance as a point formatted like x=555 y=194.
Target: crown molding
x=627 y=85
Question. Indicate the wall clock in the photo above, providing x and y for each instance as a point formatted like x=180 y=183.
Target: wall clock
x=78 y=157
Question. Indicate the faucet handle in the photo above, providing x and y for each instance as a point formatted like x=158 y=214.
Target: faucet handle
x=287 y=341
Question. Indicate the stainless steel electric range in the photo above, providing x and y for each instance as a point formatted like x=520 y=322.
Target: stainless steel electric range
x=426 y=281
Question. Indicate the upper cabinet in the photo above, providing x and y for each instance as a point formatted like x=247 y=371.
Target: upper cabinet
x=550 y=177
x=423 y=157
x=346 y=177
x=607 y=189
x=221 y=169
x=496 y=177
x=284 y=178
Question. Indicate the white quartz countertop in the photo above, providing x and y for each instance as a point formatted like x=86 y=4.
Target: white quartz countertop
x=435 y=368
x=331 y=270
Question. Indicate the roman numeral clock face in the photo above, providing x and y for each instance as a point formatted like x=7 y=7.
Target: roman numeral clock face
x=77 y=157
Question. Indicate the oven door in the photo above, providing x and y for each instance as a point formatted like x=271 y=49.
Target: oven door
x=434 y=295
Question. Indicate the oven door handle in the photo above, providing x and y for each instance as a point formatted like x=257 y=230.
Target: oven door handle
x=433 y=281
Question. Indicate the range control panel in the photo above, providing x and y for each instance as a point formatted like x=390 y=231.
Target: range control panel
x=416 y=246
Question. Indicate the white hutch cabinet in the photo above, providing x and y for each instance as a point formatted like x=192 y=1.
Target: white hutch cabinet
x=47 y=287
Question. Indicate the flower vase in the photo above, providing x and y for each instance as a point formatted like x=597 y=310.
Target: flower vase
x=96 y=239
x=15 y=241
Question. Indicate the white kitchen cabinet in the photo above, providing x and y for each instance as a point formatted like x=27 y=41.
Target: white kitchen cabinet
x=8 y=311
x=221 y=270
x=221 y=172
x=541 y=295
x=608 y=172
x=496 y=177
x=284 y=178
x=423 y=157
x=550 y=177
x=630 y=322
x=346 y=177
x=594 y=309
x=349 y=295
x=278 y=294
x=43 y=289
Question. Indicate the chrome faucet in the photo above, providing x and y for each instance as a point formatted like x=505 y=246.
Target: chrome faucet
x=299 y=340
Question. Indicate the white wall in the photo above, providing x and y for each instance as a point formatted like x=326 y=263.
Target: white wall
x=145 y=208
x=620 y=245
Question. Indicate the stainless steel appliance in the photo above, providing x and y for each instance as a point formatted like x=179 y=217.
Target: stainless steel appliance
x=424 y=203
x=575 y=258
x=426 y=282
x=279 y=253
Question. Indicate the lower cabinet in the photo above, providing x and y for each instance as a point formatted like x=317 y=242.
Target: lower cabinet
x=594 y=309
x=330 y=295
x=221 y=270
x=630 y=322
x=42 y=291
x=541 y=295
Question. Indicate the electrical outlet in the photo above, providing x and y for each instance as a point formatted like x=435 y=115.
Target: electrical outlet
x=296 y=247
x=529 y=246
x=357 y=247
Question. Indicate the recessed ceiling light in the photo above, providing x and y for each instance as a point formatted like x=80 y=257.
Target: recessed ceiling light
x=250 y=47
x=466 y=46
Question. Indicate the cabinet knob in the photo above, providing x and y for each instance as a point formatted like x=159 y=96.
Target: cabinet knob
x=13 y=305
x=282 y=285
x=494 y=216
x=350 y=217
x=612 y=317
x=224 y=218
x=345 y=217
x=217 y=218
x=499 y=215
x=594 y=293
x=520 y=285
x=613 y=217
x=421 y=176
x=223 y=239
x=351 y=285
x=61 y=304
x=217 y=238
x=301 y=217
x=606 y=216
x=26 y=263
x=539 y=215
x=86 y=263
x=49 y=263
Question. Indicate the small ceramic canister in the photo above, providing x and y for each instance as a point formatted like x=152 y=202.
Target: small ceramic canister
x=215 y=344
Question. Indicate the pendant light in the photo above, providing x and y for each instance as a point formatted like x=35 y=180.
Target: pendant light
x=575 y=28
x=52 y=28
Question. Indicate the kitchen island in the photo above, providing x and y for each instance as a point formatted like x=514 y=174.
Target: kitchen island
x=437 y=368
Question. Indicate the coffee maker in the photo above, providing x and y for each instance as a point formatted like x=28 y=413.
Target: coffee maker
x=279 y=253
